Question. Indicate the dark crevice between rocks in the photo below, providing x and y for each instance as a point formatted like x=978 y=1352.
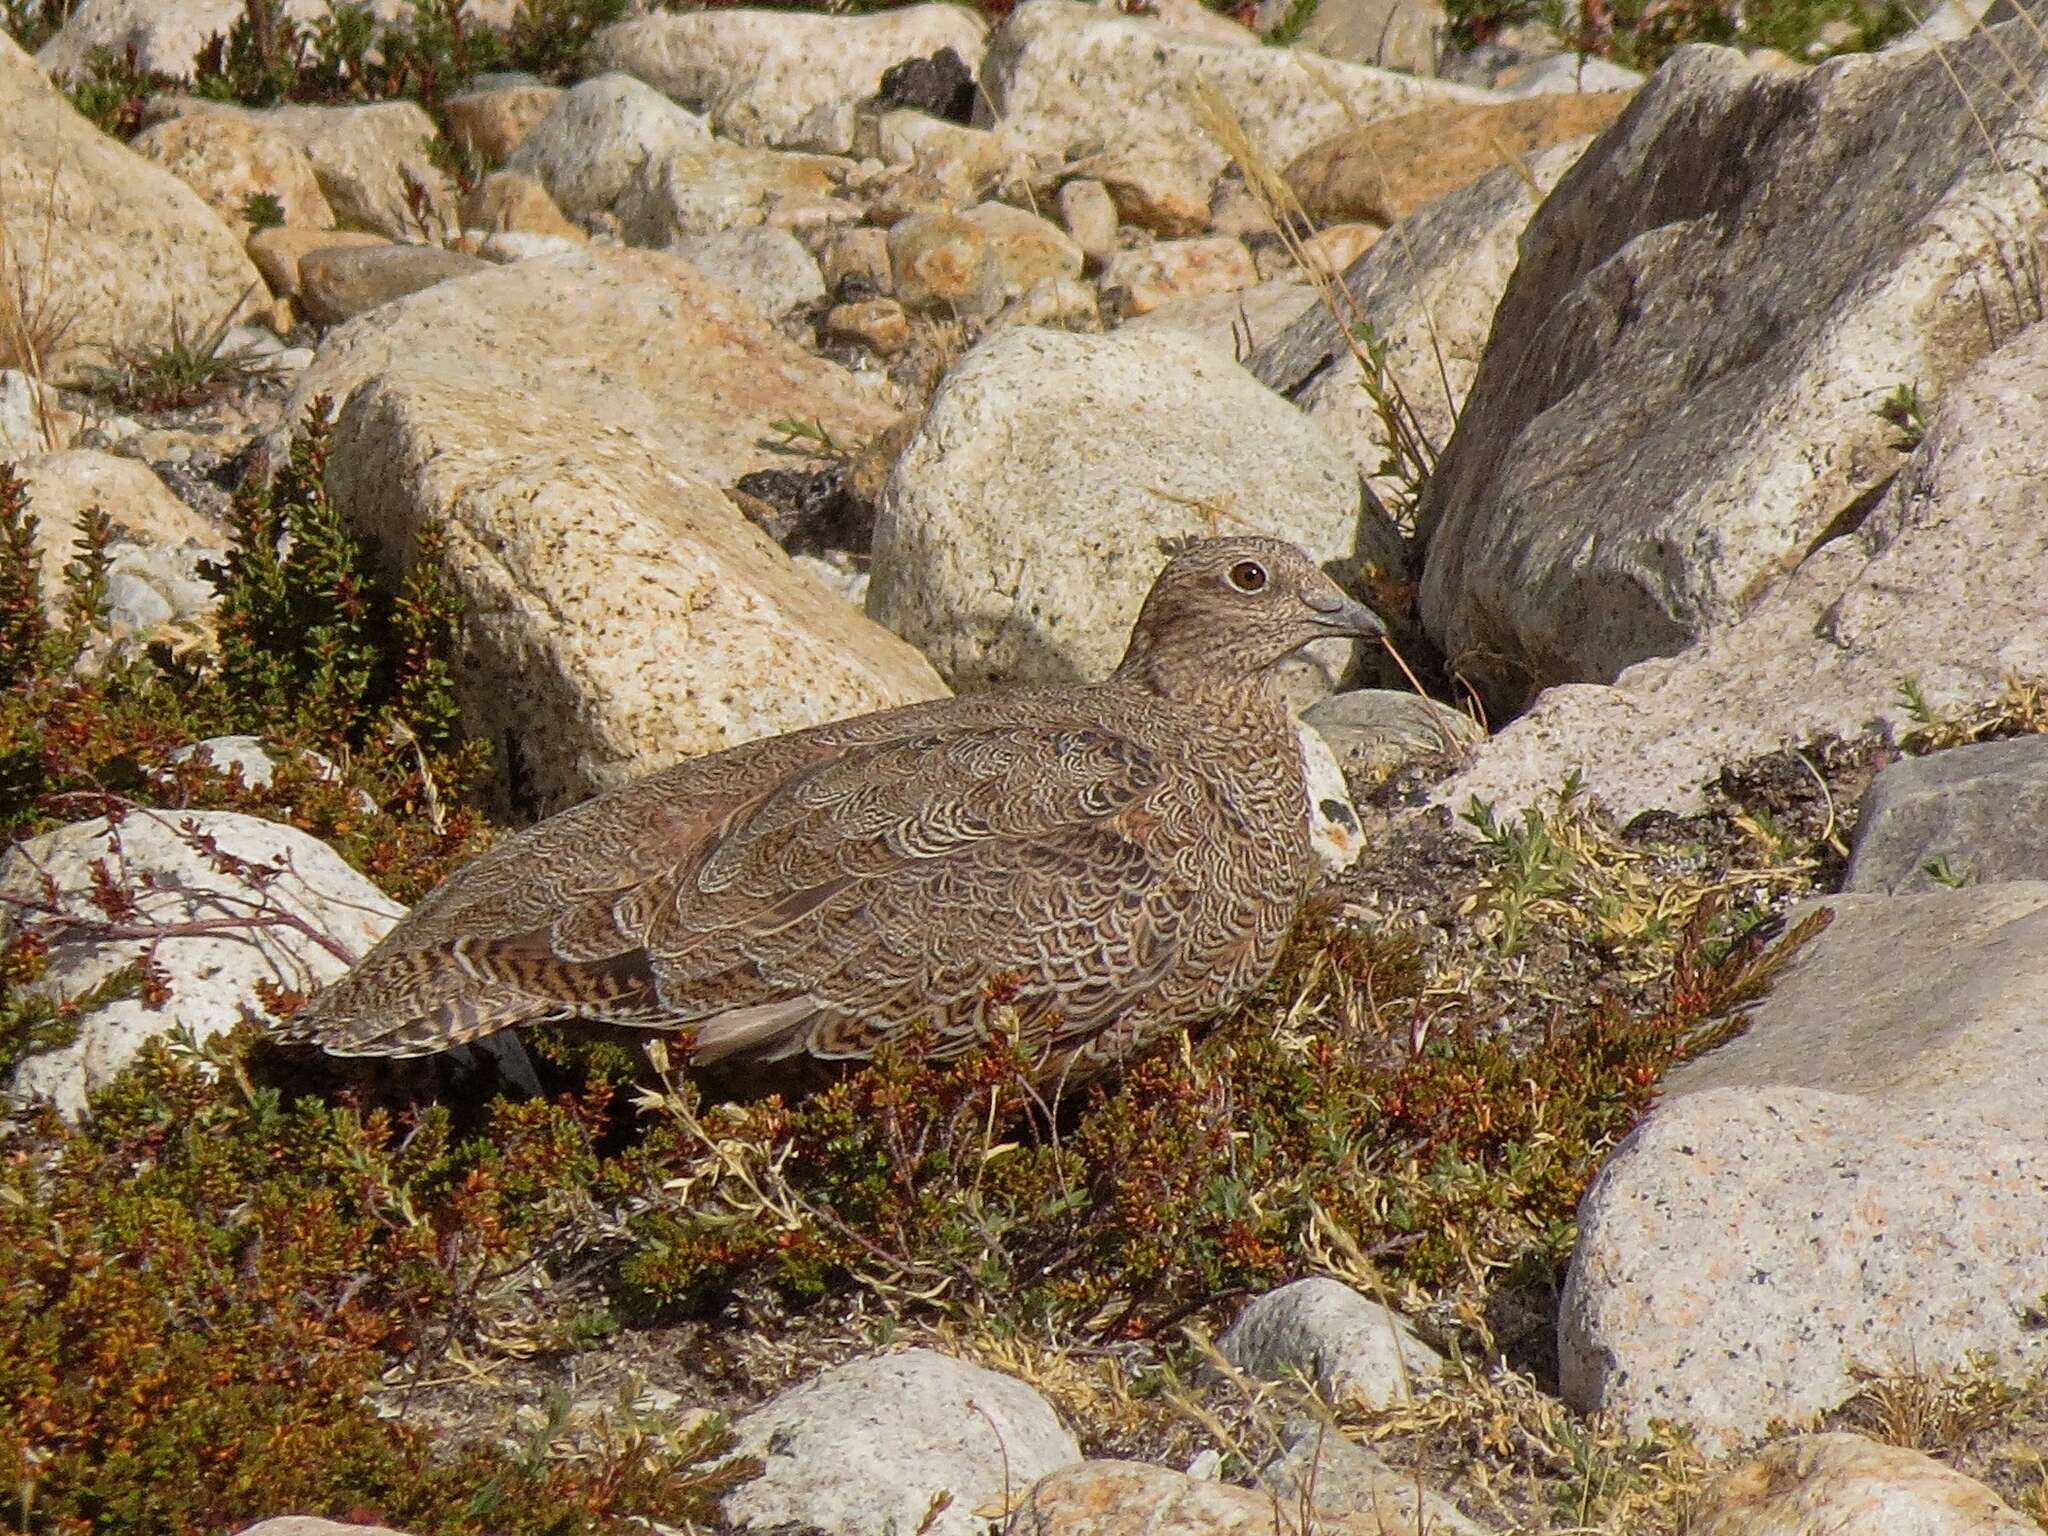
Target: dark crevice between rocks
x=941 y=85
x=808 y=511
x=1811 y=791
x=1849 y=519
x=520 y=794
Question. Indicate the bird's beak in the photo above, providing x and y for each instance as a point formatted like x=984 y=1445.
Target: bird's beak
x=1337 y=613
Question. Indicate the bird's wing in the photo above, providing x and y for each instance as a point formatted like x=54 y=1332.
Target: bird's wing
x=419 y=991
x=934 y=878
x=874 y=883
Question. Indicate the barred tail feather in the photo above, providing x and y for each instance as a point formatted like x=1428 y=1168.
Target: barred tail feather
x=419 y=1002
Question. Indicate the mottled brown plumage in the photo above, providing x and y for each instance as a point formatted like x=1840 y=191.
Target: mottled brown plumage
x=1110 y=861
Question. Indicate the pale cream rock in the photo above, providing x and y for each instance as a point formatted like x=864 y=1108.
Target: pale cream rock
x=227 y=159
x=1844 y=1482
x=1073 y=79
x=598 y=137
x=1020 y=528
x=507 y=201
x=1138 y=281
x=133 y=256
x=977 y=261
x=1090 y=215
x=494 y=123
x=762 y=77
x=622 y=613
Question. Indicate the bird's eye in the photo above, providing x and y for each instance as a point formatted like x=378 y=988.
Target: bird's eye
x=1248 y=576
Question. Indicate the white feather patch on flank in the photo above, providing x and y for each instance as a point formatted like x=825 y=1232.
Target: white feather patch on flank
x=740 y=1029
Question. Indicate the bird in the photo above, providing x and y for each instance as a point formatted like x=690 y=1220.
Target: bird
x=1084 y=869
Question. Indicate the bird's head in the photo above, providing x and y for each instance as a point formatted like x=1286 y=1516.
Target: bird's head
x=1227 y=610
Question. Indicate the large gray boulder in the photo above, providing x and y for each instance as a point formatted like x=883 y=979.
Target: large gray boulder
x=1858 y=1183
x=105 y=248
x=1680 y=401
x=570 y=424
x=1940 y=584
x=1971 y=814
x=1020 y=529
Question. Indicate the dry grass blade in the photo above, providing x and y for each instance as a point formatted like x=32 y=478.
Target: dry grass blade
x=1493 y=1436
x=1412 y=453
x=34 y=317
x=1284 y=212
x=1931 y=1410
x=2021 y=709
x=2021 y=82
x=1214 y=511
